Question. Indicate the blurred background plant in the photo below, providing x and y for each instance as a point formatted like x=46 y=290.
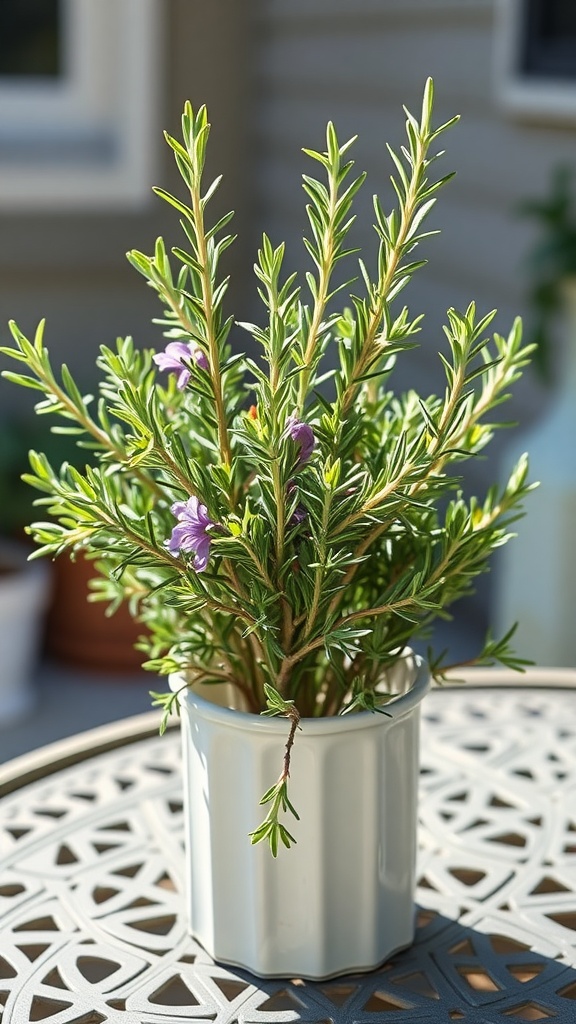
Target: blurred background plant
x=19 y=435
x=550 y=262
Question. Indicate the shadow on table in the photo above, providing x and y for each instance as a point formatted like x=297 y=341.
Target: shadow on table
x=450 y=973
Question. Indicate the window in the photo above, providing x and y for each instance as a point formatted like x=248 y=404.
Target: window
x=549 y=49
x=536 y=57
x=78 y=100
x=30 y=38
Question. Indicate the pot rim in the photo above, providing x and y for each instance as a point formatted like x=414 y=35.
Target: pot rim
x=400 y=706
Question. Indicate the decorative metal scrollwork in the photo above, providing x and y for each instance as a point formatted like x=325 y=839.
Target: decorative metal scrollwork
x=91 y=918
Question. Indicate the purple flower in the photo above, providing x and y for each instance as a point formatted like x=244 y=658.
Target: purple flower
x=303 y=435
x=175 y=357
x=298 y=516
x=191 y=531
x=300 y=513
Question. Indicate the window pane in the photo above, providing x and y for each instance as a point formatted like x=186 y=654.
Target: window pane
x=549 y=49
x=30 y=38
x=558 y=19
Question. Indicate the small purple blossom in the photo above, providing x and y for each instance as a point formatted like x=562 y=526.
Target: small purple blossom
x=300 y=513
x=303 y=435
x=191 y=531
x=175 y=357
x=298 y=516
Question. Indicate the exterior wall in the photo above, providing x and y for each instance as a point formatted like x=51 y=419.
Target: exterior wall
x=356 y=62
x=71 y=267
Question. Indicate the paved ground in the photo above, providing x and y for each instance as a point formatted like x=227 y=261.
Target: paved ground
x=69 y=700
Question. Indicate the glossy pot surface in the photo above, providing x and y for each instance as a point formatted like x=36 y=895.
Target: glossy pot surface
x=342 y=898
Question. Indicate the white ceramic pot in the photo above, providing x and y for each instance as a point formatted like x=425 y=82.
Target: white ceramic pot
x=342 y=898
x=24 y=588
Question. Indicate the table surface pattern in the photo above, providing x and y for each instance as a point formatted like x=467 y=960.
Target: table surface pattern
x=92 y=926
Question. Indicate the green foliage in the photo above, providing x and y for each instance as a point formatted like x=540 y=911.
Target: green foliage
x=551 y=261
x=336 y=527
x=271 y=829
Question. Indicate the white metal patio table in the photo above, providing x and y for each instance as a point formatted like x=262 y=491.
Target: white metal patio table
x=92 y=926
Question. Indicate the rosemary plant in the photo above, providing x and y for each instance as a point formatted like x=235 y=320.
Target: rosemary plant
x=288 y=539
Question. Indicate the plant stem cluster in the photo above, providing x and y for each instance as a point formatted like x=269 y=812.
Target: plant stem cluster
x=331 y=507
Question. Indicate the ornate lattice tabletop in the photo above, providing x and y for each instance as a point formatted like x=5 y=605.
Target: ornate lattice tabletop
x=91 y=918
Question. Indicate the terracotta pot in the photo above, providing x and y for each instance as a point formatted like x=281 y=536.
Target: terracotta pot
x=79 y=632
x=340 y=900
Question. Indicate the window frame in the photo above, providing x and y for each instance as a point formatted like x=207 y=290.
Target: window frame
x=86 y=138
x=521 y=93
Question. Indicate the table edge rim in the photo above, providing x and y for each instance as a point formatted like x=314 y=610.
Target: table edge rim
x=46 y=760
